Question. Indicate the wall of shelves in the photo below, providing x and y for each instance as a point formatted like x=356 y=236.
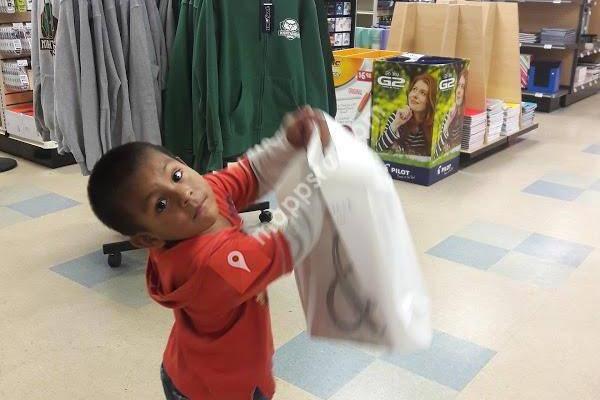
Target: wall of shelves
x=566 y=14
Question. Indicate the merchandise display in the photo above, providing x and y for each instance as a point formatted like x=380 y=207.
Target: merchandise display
x=15 y=40
x=209 y=119
x=372 y=38
x=340 y=23
x=83 y=117
x=557 y=36
x=529 y=37
x=16 y=75
x=525 y=61
x=544 y=77
x=353 y=76
x=418 y=105
x=474 y=129
x=511 y=120
x=592 y=71
x=527 y=114
x=495 y=119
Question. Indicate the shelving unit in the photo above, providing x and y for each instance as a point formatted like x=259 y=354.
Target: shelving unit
x=468 y=157
x=370 y=13
x=18 y=133
x=581 y=15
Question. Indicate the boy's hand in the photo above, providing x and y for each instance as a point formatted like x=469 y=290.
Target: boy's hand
x=300 y=124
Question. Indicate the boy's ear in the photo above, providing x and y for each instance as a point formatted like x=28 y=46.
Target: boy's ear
x=146 y=241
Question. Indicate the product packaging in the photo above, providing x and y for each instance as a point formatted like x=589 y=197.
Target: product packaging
x=417 y=115
x=352 y=74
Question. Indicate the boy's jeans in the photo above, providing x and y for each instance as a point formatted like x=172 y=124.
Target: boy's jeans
x=171 y=392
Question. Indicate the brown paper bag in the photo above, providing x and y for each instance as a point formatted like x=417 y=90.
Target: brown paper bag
x=504 y=77
x=474 y=42
x=424 y=28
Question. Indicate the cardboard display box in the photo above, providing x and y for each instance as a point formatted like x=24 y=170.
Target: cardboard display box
x=352 y=73
x=418 y=105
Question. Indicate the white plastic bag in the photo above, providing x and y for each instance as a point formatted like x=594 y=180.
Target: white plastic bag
x=362 y=281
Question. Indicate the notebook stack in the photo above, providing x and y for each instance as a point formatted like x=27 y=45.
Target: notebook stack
x=495 y=119
x=593 y=71
x=527 y=114
x=474 y=127
x=512 y=112
x=525 y=66
x=558 y=36
x=527 y=37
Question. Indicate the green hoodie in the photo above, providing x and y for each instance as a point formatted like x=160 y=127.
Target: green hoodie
x=242 y=80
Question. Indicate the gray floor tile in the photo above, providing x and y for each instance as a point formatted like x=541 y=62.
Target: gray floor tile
x=593 y=149
x=128 y=288
x=450 y=361
x=532 y=270
x=497 y=235
x=384 y=381
x=43 y=205
x=555 y=250
x=553 y=190
x=318 y=367
x=468 y=252
x=596 y=186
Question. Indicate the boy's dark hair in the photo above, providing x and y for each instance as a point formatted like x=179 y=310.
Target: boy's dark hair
x=107 y=181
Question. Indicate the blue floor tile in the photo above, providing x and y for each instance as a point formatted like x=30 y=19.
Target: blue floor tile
x=43 y=205
x=17 y=193
x=555 y=250
x=593 y=149
x=450 y=361
x=319 y=367
x=92 y=269
x=9 y=217
x=553 y=190
x=468 y=252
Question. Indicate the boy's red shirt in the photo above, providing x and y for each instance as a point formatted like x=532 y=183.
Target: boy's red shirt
x=221 y=346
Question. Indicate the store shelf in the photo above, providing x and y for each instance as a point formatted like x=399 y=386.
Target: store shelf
x=581 y=92
x=48 y=157
x=15 y=17
x=547 y=46
x=545 y=1
x=589 y=51
x=468 y=157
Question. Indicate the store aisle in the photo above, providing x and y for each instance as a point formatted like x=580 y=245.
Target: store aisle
x=509 y=246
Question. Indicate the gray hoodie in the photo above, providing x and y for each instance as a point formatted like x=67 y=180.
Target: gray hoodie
x=67 y=84
x=43 y=21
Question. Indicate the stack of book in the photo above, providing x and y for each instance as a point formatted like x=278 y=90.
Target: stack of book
x=512 y=112
x=558 y=36
x=495 y=119
x=529 y=37
x=525 y=61
x=474 y=127
x=527 y=114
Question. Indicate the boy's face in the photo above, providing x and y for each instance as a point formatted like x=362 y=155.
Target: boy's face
x=170 y=201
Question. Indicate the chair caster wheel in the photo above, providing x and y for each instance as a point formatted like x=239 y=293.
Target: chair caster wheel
x=265 y=216
x=114 y=260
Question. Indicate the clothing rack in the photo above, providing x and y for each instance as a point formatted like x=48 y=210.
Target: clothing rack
x=114 y=250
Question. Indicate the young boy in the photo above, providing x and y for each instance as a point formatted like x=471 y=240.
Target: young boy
x=201 y=263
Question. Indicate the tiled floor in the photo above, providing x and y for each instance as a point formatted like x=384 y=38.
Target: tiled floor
x=510 y=249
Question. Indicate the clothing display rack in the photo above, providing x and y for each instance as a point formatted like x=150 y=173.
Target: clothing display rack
x=18 y=135
x=582 y=16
